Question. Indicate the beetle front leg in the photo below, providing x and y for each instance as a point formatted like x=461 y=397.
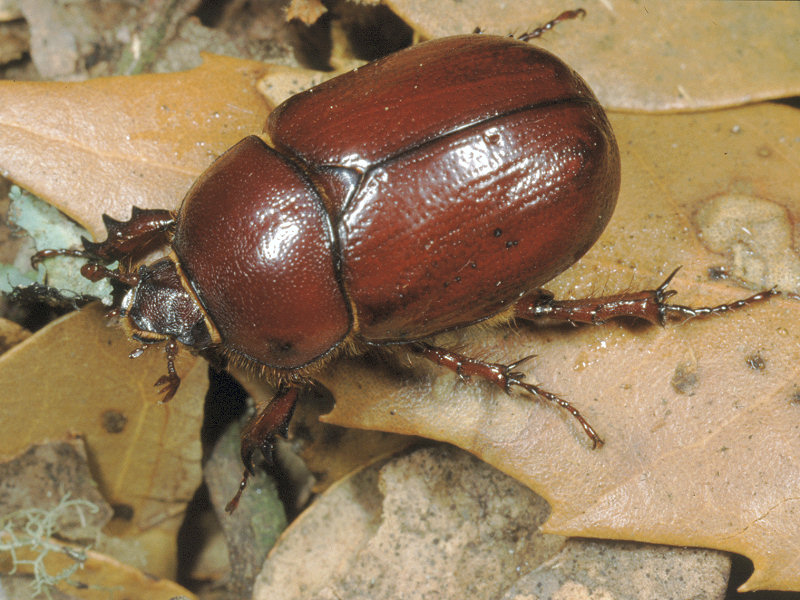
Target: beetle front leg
x=260 y=432
x=145 y=229
x=170 y=382
x=503 y=376
x=649 y=305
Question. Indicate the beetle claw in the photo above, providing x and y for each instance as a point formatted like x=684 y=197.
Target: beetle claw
x=513 y=378
x=259 y=434
x=522 y=360
x=246 y=451
x=249 y=447
x=169 y=386
x=234 y=502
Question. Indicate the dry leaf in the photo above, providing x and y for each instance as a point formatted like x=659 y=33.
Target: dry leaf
x=440 y=524
x=105 y=145
x=74 y=378
x=284 y=82
x=399 y=531
x=659 y=56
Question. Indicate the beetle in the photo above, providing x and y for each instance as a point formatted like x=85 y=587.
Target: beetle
x=438 y=187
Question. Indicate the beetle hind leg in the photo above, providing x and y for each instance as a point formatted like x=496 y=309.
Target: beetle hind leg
x=260 y=432
x=535 y=33
x=648 y=305
x=502 y=375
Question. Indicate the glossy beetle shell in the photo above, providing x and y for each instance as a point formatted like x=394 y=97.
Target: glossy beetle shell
x=256 y=243
x=423 y=192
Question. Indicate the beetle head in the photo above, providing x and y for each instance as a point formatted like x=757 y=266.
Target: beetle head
x=159 y=307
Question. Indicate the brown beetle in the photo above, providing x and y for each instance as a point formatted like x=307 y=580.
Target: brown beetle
x=433 y=189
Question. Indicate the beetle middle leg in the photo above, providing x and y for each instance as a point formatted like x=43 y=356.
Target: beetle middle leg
x=260 y=432
x=649 y=305
x=502 y=375
x=538 y=31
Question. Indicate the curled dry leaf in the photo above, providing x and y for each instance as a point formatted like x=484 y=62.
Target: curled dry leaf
x=400 y=531
x=606 y=569
x=662 y=56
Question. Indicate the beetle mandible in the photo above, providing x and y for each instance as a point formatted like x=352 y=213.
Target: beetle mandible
x=432 y=189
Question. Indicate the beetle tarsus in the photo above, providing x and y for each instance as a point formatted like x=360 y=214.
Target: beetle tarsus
x=597 y=441
x=169 y=386
x=255 y=440
x=170 y=382
x=234 y=502
x=567 y=14
x=502 y=376
x=260 y=432
x=37 y=258
x=145 y=229
x=676 y=311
